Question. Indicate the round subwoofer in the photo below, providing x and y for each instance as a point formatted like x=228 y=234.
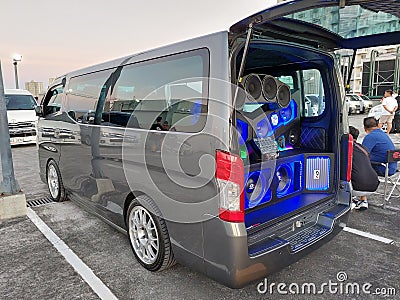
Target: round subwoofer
x=255 y=188
x=283 y=96
x=284 y=175
x=269 y=87
x=252 y=85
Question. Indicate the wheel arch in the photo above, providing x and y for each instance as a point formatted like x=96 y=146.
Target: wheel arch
x=128 y=200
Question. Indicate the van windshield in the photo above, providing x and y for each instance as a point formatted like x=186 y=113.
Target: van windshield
x=20 y=102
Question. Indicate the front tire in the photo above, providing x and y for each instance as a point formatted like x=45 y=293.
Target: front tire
x=54 y=182
x=148 y=235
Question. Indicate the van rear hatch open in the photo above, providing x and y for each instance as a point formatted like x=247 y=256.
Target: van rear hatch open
x=327 y=24
x=289 y=45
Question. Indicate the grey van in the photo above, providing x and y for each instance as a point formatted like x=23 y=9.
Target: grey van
x=204 y=152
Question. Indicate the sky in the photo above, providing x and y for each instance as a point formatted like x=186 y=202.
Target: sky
x=55 y=37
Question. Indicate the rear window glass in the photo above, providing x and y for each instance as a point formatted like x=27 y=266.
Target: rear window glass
x=314 y=96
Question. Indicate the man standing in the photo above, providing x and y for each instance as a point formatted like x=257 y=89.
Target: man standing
x=389 y=107
x=377 y=144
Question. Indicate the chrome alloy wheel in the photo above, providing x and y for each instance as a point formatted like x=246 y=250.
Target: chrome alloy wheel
x=143 y=234
x=52 y=181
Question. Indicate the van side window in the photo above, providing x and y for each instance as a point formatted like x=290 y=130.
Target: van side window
x=83 y=95
x=314 y=96
x=53 y=99
x=174 y=88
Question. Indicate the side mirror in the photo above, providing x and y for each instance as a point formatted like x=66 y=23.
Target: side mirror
x=39 y=111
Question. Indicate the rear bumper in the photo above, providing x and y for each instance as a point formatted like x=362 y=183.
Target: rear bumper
x=230 y=260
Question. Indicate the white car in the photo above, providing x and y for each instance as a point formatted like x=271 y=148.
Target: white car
x=369 y=103
x=21 y=116
x=362 y=103
x=376 y=111
x=353 y=104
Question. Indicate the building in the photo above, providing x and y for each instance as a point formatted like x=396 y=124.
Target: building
x=375 y=70
x=34 y=87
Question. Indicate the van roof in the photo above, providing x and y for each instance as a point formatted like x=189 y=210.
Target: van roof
x=17 y=92
x=164 y=49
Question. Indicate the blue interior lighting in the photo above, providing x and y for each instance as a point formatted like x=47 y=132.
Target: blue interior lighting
x=276 y=119
x=257 y=189
x=243 y=130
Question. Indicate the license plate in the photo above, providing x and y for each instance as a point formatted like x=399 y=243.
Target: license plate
x=16 y=140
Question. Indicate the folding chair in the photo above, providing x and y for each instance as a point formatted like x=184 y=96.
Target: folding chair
x=391 y=156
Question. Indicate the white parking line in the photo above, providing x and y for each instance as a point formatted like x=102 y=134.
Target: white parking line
x=369 y=235
x=83 y=270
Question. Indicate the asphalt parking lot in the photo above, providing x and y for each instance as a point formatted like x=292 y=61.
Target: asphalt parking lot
x=32 y=268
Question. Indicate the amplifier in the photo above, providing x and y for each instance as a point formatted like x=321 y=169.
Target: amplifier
x=318 y=172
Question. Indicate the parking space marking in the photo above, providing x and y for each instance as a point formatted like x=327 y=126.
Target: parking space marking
x=83 y=270
x=369 y=235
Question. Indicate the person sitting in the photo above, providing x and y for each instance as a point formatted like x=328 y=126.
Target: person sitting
x=363 y=177
x=378 y=143
x=157 y=125
x=166 y=125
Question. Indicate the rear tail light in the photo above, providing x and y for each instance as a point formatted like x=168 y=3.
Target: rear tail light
x=346 y=157
x=349 y=157
x=229 y=173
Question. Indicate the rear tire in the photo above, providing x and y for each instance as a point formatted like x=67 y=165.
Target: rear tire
x=148 y=235
x=54 y=182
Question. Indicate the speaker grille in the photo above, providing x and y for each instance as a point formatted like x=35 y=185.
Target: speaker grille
x=253 y=86
x=318 y=173
x=269 y=87
x=283 y=96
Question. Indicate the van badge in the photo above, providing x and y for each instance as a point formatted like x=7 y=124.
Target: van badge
x=316 y=174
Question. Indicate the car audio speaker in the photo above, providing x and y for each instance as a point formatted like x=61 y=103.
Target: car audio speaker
x=285 y=175
x=252 y=85
x=288 y=176
x=275 y=90
x=283 y=96
x=269 y=87
x=257 y=188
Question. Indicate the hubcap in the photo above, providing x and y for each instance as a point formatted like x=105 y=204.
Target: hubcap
x=52 y=181
x=143 y=234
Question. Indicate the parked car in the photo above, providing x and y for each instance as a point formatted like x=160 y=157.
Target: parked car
x=369 y=103
x=357 y=97
x=21 y=116
x=354 y=104
x=376 y=111
x=317 y=103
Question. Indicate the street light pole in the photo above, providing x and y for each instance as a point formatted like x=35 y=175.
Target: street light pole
x=9 y=185
x=16 y=59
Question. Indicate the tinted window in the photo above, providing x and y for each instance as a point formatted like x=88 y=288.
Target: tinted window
x=174 y=88
x=20 y=102
x=52 y=102
x=84 y=93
